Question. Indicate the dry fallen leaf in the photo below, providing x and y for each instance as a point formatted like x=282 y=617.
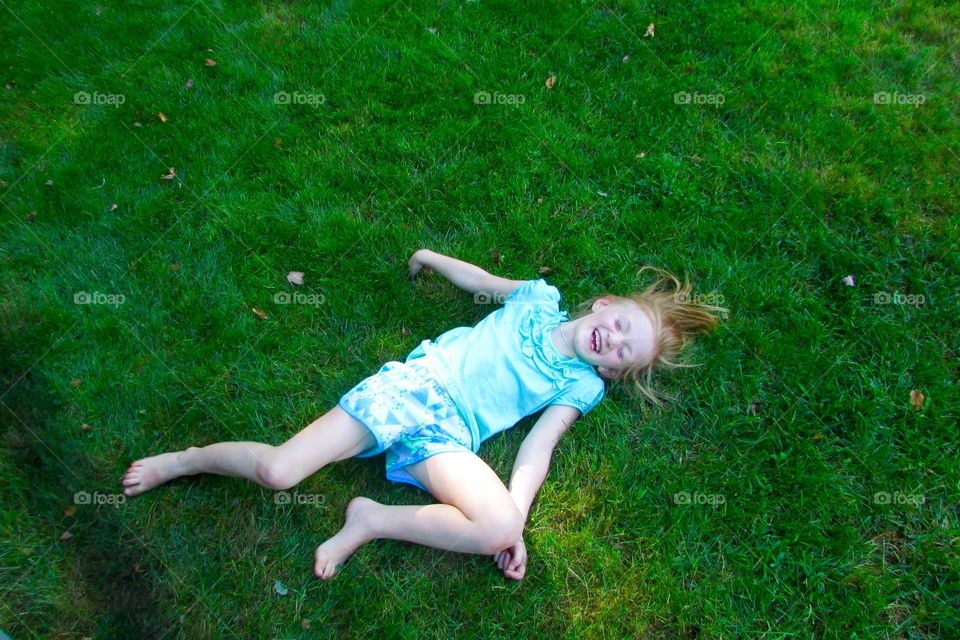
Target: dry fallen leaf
x=32 y=215
x=545 y=271
x=69 y=511
x=305 y=623
x=210 y=62
x=170 y=175
x=817 y=436
x=651 y=31
x=66 y=536
x=552 y=80
x=496 y=256
x=295 y=277
x=258 y=313
x=917 y=399
x=86 y=427
x=539 y=200
x=76 y=382
x=404 y=331
x=175 y=266
x=162 y=116
x=277 y=142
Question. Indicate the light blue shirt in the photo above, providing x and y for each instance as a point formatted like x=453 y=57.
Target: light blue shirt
x=507 y=366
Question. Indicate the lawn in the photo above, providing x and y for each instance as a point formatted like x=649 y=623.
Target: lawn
x=163 y=166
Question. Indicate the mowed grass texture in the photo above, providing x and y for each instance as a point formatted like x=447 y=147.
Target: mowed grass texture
x=769 y=150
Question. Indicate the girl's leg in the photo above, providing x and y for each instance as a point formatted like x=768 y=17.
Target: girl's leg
x=334 y=436
x=478 y=515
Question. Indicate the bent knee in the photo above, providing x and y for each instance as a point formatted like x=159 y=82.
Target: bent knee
x=273 y=472
x=502 y=530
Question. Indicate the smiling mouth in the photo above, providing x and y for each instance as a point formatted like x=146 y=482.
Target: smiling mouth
x=595 y=341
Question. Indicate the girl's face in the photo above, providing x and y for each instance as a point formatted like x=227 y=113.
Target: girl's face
x=617 y=335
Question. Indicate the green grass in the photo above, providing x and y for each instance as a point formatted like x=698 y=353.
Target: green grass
x=797 y=417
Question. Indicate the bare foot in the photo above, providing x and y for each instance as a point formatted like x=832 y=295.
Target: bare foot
x=332 y=553
x=147 y=473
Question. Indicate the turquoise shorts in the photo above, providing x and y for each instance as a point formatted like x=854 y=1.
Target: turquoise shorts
x=410 y=414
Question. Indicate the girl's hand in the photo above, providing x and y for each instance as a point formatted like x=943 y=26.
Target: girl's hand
x=418 y=262
x=513 y=560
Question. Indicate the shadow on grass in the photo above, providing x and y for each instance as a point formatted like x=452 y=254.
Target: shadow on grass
x=107 y=576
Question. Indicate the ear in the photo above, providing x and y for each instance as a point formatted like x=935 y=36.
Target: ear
x=600 y=303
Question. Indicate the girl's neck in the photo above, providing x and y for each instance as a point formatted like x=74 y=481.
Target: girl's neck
x=563 y=339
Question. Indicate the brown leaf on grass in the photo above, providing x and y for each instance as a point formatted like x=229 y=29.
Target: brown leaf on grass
x=817 y=436
x=305 y=623
x=170 y=175
x=495 y=255
x=210 y=62
x=69 y=511
x=175 y=266
x=162 y=116
x=545 y=271
x=295 y=277
x=65 y=536
x=651 y=31
x=31 y=216
x=76 y=382
x=188 y=84
x=552 y=80
x=86 y=427
x=258 y=313
x=404 y=330
x=917 y=399
x=277 y=142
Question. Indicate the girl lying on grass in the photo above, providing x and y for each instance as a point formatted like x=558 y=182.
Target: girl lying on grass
x=430 y=413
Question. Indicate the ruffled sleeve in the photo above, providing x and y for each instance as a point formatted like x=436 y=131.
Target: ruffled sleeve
x=584 y=395
x=534 y=292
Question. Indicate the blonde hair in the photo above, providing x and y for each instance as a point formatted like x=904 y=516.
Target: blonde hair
x=677 y=316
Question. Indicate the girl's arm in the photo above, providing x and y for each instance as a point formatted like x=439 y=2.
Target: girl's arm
x=533 y=458
x=468 y=277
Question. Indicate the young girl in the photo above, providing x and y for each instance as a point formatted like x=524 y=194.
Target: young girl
x=430 y=413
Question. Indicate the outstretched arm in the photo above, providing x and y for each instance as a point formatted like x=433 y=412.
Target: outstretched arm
x=468 y=277
x=529 y=472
